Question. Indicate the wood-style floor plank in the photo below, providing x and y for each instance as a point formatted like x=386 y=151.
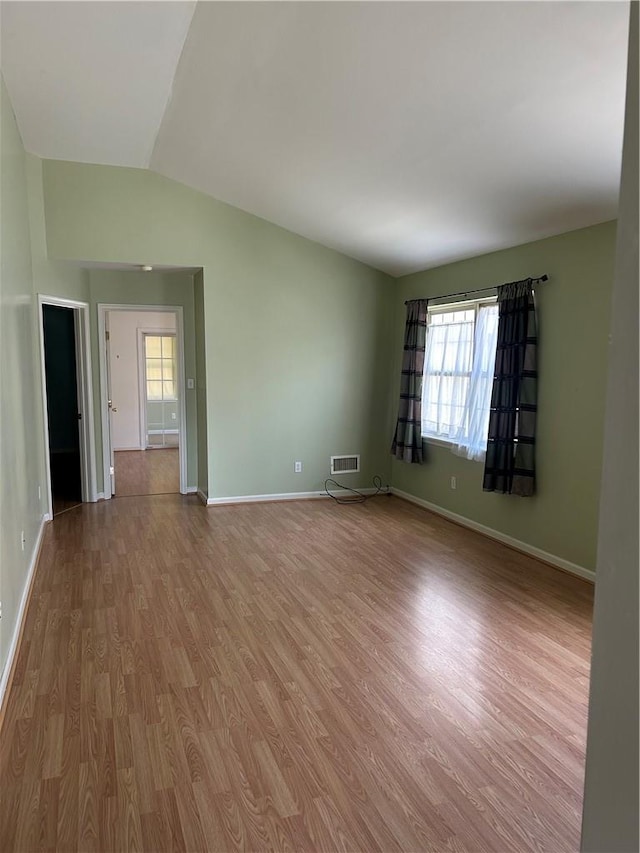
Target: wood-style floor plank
x=293 y=676
x=147 y=472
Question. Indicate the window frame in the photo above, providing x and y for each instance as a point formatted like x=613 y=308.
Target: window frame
x=161 y=358
x=447 y=308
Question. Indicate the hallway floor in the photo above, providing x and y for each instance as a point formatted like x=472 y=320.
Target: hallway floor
x=147 y=472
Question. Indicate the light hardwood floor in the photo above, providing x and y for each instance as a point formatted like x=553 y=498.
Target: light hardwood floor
x=293 y=677
x=147 y=472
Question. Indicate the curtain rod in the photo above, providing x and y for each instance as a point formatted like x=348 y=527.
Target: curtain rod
x=541 y=278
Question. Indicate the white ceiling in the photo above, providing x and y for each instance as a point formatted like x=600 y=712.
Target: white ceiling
x=90 y=81
x=406 y=135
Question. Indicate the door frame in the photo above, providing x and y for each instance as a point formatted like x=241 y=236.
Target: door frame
x=103 y=309
x=85 y=396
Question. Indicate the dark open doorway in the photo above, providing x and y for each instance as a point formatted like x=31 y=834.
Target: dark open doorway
x=62 y=406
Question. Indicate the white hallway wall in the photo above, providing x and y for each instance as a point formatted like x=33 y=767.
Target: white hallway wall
x=123 y=365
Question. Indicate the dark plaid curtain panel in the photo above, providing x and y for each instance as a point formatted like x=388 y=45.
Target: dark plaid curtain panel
x=407 y=442
x=510 y=459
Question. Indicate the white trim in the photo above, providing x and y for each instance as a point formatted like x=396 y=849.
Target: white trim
x=84 y=383
x=13 y=645
x=163 y=431
x=202 y=496
x=516 y=544
x=446 y=307
x=126 y=449
x=178 y=310
x=286 y=496
x=192 y=490
x=100 y=496
x=440 y=442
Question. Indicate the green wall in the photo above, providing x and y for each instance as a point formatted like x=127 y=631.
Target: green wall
x=21 y=424
x=120 y=287
x=297 y=335
x=573 y=317
x=50 y=278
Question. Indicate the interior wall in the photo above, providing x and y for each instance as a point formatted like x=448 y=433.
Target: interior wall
x=50 y=278
x=124 y=357
x=610 y=820
x=21 y=422
x=120 y=287
x=573 y=318
x=297 y=335
x=201 y=385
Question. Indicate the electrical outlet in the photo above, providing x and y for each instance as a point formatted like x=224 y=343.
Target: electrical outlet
x=23 y=541
x=39 y=493
x=297 y=467
x=173 y=416
x=454 y=483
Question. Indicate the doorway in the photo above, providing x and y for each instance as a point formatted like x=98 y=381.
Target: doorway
x=67 y=400
x=63 y=413
x=142 y=399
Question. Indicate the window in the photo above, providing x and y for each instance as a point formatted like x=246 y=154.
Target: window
x=160 y=367
x=458 y=374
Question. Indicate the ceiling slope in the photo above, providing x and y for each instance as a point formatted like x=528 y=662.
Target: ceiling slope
x=406 y=135
x=90 y=81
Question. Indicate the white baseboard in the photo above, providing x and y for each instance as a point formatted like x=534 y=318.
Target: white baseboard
x=123 y=449
x=17 y=629
x=516 y=544
x=191 y=490
x=286 y=496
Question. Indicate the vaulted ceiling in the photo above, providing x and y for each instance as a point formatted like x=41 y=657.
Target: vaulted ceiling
x=405 y=135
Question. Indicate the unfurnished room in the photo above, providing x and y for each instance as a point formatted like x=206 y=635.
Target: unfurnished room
x=319 y=426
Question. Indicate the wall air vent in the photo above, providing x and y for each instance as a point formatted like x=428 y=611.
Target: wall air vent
x=345 y=464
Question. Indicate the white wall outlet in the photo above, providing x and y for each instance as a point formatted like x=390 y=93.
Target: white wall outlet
x=191 y=384
x=23 y=541
x=297 y=467
x=454 y=483
x=173 y=416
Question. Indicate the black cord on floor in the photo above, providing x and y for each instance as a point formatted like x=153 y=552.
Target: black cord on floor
x=358 y=497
